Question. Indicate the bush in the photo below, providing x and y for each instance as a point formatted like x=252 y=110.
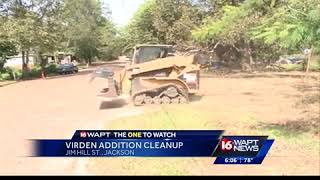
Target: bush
x=8 y=70
x=292 y=67
x=315 y=64
x=5 y=70
x=18 y=73
x=35 y=71
x=6 y=76
x=51 y=69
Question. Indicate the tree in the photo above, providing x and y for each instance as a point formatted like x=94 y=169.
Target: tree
x=110 y=41
x=263 y=28
x=82 y=27
x=294 y=25
x=31 y=25
x=17 y=26
x=164 y=21
x=6 y=49
x=140 y=28
x=174 y=20
x=231 y=29
x=81 y=18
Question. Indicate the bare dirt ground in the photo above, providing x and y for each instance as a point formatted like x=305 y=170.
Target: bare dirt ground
x=57 y=106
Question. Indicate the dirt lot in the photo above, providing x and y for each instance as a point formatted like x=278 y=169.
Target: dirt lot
x=287 y=109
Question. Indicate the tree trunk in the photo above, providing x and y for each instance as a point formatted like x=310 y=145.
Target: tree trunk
x=27 y=58
x=249 y=52
x=89 y=62
x=247 y=60
x=24 y=65
x=251 y=58
x=42 y=65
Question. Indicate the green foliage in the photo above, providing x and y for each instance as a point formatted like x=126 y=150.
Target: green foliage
x=174 y=20
x=6 y=49
x=77 y=26
x=294 y=25
x=88 y=33
x=31 y=23
x=110 y=40
x=166 y=22
x=35 y=72
x=140 y=29
x=51 y=69
x=220 y=29
x=5 y=76
x=9 y=71
x=267 y=27
x=233 y=23
x=292 y=67
x=18 y=73
x=315 y=64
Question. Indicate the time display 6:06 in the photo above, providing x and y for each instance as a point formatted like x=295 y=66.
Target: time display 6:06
x=230 y=160
x=238 y=160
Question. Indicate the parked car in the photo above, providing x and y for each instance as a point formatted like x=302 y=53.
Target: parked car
x=67 y=69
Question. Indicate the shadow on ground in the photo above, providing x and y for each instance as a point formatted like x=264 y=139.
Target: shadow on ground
x=3 y=84
x=115 y=103
x=195 y=98
x=291 y=128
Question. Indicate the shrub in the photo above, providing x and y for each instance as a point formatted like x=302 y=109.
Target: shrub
x=6 y=76
x=292 y=67
x=35 y=71
x=51 y=69
x=315 y=65
x=18 y=73
x=8 y=70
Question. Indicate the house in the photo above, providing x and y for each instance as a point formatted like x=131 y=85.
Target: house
x=16 y=61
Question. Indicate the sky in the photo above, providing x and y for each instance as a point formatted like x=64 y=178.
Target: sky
x=122 y=10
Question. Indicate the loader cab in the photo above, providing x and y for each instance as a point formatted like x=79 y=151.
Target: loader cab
x=146 y=53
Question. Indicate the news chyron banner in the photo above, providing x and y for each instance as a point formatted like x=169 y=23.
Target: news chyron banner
x=162 y=143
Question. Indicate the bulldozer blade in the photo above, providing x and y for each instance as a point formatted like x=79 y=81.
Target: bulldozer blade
x=111 y=90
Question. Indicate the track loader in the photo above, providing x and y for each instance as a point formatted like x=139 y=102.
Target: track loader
x=154 y=76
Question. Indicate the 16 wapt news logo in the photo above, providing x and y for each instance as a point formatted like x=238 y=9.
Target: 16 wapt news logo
x=93 y=134
x=240 y=146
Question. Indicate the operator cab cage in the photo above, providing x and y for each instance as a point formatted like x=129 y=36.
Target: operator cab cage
x=148 y=52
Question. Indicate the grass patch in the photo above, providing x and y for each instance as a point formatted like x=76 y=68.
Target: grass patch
x=186 y=117
x=311 y=99
x=298 y=133
x=292 y=67
x=295 y=135
x=314 y=65
x=307 y=141
x=169 y=117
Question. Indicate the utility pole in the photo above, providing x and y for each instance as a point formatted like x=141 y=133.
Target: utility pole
x=309 y=59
